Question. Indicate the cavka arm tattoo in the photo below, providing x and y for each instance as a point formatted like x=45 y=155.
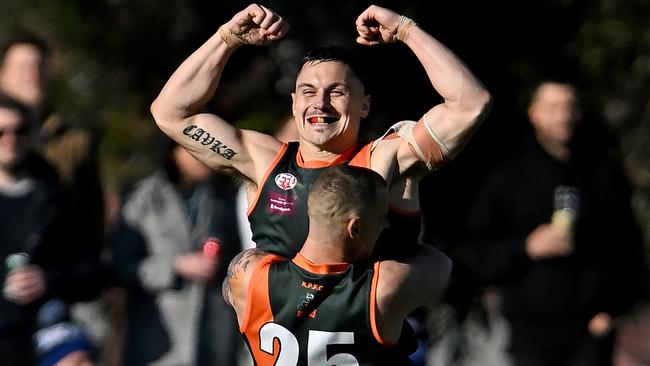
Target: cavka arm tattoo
x=206 y=139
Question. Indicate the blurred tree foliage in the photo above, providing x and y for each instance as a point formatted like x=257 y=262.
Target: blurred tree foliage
x=113 y=56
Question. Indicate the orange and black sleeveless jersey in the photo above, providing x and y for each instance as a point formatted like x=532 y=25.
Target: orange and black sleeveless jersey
x=299 y=314
x=278 y=217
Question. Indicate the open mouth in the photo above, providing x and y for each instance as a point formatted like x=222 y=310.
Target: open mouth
x=321 y=120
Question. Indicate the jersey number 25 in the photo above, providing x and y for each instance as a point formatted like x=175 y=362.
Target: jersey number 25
x=316 y=346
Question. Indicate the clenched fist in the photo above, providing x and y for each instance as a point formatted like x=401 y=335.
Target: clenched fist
x=256 y=25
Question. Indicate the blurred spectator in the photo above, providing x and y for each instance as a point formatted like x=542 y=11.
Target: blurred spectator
x=24 y=75
x=175 y=312
x=40 y=242
x=553 y=229
x=59 y=341
x=23 y=71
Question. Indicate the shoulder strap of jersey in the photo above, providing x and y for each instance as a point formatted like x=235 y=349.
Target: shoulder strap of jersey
x=373 y=305
x=362 y=157
x=258 y=303
x=262 y=182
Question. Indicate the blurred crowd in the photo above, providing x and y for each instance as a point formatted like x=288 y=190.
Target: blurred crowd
x=97 y=277
x=549 y=265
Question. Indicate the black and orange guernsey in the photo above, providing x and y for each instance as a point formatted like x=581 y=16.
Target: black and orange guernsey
x=278 y=217
x=302 y=314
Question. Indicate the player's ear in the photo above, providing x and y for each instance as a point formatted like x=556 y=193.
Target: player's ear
x=365 y=106
x=353 y=228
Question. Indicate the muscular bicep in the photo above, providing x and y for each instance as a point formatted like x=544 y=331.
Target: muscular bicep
x=222 y=146
x=212 y=140
x=437 y=137
x=452 y=127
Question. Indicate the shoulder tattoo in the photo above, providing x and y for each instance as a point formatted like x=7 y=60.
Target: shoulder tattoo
x=239 y=264
x=237 y=268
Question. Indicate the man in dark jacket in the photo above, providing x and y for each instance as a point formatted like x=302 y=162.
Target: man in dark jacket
x=42 y=254
x=553 y=229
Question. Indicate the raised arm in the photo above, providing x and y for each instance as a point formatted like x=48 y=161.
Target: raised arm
x=466 y=101
x=178 y=109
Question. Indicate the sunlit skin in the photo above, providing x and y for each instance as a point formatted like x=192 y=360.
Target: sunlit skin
x=331 y=91
x=325 y=90
x=22 y=74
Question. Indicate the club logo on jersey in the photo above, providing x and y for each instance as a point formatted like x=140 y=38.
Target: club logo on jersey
x=304 y=305
x=286 y=181
x=312 y=286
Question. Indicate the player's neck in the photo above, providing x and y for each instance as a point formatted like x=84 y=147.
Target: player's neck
x=329 y=150
x=319 y=268
x=323 y=249
x=312 y=153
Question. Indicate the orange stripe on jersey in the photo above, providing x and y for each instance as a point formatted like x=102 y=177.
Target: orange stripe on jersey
x=258 y=310
x=373 y=306
x=322 y=269
x=362 y=158
x=260 y=184
x=340 y=158
x=257 y=300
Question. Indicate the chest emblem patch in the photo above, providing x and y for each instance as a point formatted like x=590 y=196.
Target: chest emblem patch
x=286 y=181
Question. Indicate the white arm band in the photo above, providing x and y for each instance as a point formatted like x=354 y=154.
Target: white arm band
x=426 y=145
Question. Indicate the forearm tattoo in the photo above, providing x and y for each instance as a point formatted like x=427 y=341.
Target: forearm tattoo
x=206 y=139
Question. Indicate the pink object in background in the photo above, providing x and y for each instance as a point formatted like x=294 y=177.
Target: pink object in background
x=212 y=248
